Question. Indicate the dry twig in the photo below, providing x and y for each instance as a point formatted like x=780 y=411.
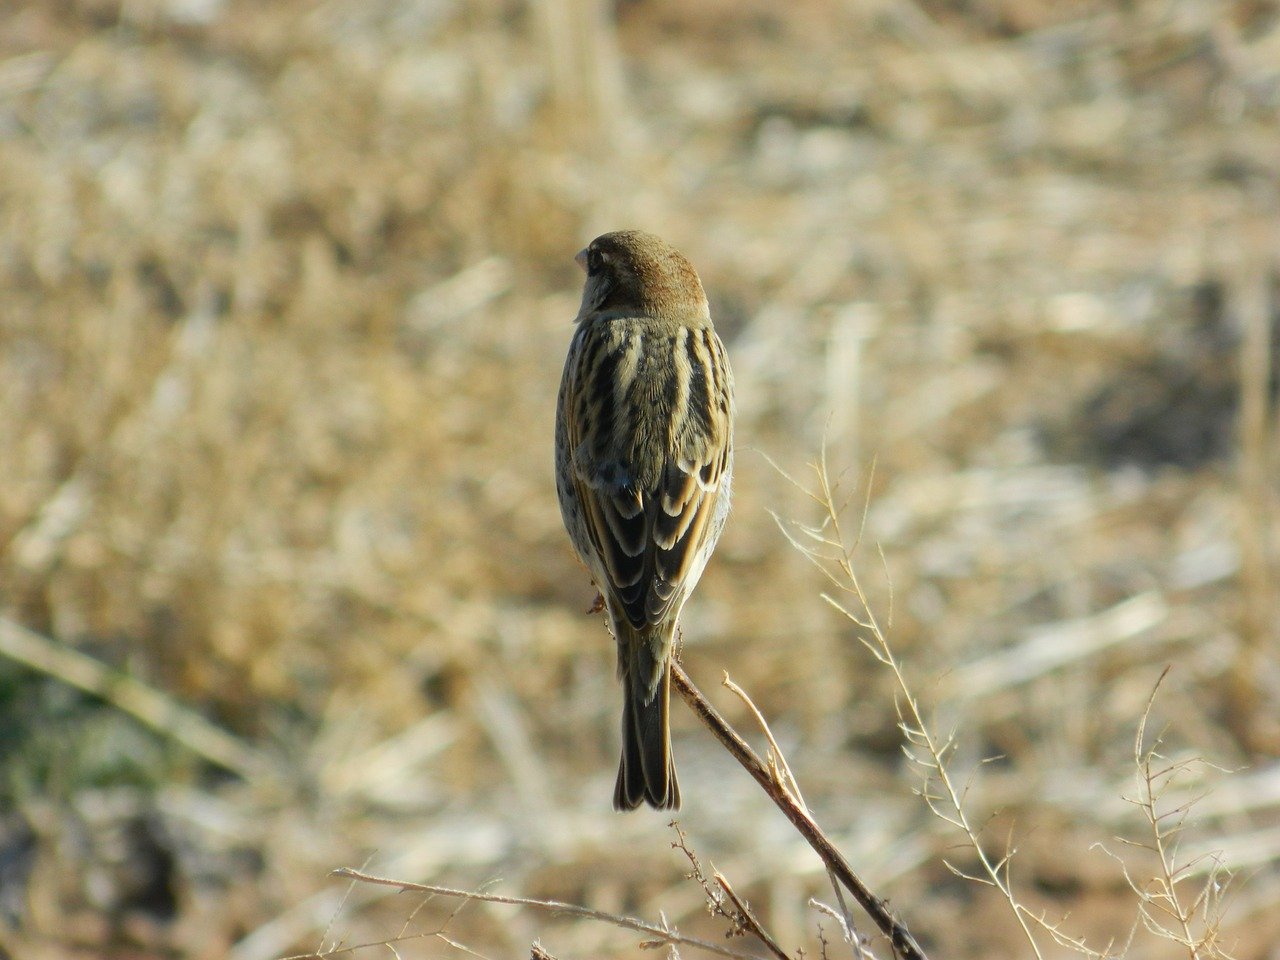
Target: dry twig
x=1163 y=906
x=780 y=770
x=827 y=547
x=748 y=919
x=661 y=935
x=904 y=944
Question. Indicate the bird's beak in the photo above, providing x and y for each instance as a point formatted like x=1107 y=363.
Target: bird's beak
x=581 y=259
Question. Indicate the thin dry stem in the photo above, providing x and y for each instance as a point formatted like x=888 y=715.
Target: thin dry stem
x=776 y=759
x=786 y=780
x=390 y=943
x=715 y=898
x=833 y=557
x=1163 y=908
x=660 y=934
x=748 y=918
x=900 y=938
x=848 y=932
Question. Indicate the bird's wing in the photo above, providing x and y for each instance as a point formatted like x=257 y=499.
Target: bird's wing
x=649 y=536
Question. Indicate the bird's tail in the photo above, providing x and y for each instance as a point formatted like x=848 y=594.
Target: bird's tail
x=647 y=773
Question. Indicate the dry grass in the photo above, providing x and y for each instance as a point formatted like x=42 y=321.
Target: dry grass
x=287 y=289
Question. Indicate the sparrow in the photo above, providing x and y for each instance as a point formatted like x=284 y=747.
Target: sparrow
x=644 y=457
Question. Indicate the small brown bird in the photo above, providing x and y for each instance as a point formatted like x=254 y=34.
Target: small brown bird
x=644 y=455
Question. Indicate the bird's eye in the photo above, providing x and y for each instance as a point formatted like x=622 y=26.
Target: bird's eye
x=594 y=261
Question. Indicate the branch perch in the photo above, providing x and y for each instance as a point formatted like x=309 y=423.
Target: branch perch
x=900 y=938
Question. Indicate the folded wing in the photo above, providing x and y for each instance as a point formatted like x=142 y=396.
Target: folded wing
x=651 y=537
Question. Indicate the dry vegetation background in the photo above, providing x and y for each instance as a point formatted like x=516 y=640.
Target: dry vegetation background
x=286 y=292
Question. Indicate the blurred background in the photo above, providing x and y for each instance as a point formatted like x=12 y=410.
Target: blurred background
x=287 y=287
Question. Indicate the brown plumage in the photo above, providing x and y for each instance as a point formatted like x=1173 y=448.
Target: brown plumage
x=644 y=456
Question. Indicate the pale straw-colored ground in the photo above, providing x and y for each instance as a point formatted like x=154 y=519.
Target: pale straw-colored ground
x=286 y=291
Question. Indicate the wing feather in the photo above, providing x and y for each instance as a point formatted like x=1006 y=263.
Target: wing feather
x=648 y=538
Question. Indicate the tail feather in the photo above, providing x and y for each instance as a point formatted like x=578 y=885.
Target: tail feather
x=647 y=773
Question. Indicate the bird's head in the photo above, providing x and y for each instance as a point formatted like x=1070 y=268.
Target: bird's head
x=631 y=271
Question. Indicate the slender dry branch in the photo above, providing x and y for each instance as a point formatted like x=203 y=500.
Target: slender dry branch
x=788 y=782
x=390 y=943
x=749 y=919
x=661 y=935
x=903 y=943
x=1163 y=903
x=831 y=553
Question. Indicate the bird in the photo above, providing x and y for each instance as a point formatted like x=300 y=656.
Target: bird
x=644 y=460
